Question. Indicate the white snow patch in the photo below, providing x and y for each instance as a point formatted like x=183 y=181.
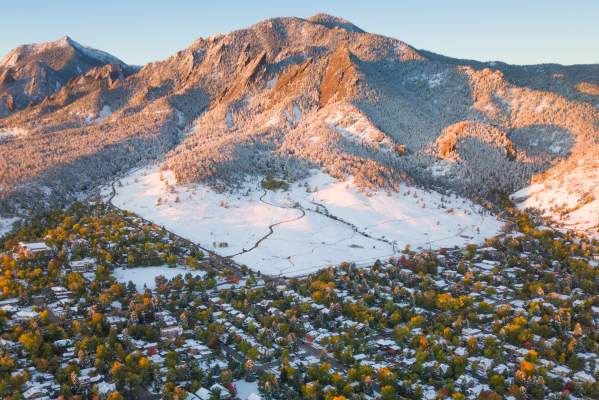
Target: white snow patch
x=12 y=132
x=441 y=168
x=271 y=83
x=180 y=117
x=355 y=126
x=146 y=275
x=543 y=105
x=229 y=120
x=99 y=55
x=6 y=225
x=105 y=112
x=570 y=198
x=436 y=79
x=294 y=116
x=297 y=113
x=303 y=244
x=246 y=389
x=432 y=80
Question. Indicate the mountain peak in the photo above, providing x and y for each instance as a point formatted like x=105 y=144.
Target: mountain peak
x=28 y=52
x=331 y=21
x=66 y=39
x=32 y=72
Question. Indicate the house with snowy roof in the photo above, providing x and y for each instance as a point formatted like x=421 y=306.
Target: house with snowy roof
x=33 y=249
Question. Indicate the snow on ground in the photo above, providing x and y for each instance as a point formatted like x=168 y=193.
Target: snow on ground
x=145 y=275
x=297 y=113
x=571 y=199
x=105 y=112
x=229 y=120
x=441 y=168
x=350 y=123
x=6 y=225
x=12 y=133
x=271 y=83
x=246 y=389
x=359 y=227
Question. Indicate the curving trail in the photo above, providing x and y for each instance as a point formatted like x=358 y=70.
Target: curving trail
x=353 y=227
x=271 y=226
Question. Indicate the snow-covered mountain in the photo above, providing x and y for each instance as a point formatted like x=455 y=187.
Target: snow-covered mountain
x=285 y=97
x=32 y=72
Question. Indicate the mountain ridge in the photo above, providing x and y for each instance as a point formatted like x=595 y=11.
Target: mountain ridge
x=287 y=95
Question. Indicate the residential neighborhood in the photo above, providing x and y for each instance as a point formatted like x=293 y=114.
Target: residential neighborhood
x=515 y=318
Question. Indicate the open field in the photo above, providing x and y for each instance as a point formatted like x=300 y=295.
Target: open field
x=317 y=222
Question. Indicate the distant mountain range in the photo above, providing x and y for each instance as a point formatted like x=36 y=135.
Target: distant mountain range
x=284 y=97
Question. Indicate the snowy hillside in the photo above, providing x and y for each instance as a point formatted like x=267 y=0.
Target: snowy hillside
x=316 y=223
x=571 y=199
x=6 y=224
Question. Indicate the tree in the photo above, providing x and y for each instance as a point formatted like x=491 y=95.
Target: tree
x=115 y=396
x=75 y=281
x=31 y=342
x=388 y=392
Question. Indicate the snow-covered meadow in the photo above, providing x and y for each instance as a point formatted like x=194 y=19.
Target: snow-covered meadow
x=316 y=223
x=145 y=276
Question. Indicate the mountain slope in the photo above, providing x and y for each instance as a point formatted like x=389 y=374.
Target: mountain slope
x=569 y=196
x=288 y=95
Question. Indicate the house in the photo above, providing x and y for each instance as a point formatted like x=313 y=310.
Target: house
x=59 y=292
x=33 y=249
x=171 y=333
x=35 y=392
x=24 y=315
x=203 y=394
x=84 y=265
x=105 y=389
x=583 y=377
x=224 y=393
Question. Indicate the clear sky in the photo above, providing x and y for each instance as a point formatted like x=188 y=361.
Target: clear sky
x=138 y=31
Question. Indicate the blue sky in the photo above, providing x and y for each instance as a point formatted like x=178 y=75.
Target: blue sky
x=519 y=32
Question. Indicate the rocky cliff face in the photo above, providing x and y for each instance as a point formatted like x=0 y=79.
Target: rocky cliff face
x=283 y=97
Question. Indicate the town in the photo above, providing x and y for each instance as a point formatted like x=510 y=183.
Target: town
x=515 y=318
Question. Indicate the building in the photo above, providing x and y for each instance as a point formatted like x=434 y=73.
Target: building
x=33 y=249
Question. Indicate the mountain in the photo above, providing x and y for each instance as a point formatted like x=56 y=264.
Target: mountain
x=31 y=73
x=284 y=97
